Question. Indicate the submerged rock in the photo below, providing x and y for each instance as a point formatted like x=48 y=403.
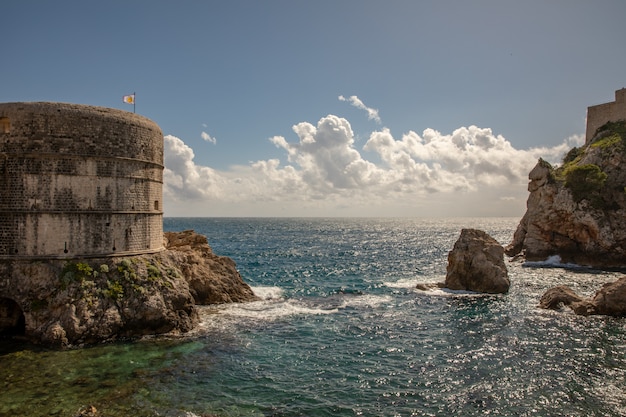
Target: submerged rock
x=476 y=263
x=99 y=299
x=89 y=411
x=429 y=286
x=610 y=300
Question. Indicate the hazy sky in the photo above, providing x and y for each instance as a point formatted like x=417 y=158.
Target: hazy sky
x=340 y=107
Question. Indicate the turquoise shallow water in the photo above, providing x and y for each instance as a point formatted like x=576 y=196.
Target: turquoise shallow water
x=341 y=331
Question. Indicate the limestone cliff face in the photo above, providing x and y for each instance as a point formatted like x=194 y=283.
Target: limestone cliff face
x=92 y=300
x=578 y=211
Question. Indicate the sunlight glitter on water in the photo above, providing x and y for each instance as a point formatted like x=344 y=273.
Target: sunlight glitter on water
x=360 y=341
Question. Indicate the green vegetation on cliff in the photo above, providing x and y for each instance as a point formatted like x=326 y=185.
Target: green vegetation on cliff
x=611 y=134
x=586 y=180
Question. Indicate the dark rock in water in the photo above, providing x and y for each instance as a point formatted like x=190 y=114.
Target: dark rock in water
x=430 y=286
x=558 y=297
x=610 y=300
x=476 y=263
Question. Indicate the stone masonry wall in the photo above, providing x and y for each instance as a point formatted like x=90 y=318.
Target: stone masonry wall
x=607 y=112
x=78 y=181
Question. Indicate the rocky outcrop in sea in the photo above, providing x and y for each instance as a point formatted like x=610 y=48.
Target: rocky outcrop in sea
x=610 y=300
x=100 y=299
x=578 y=210
x=475 y=263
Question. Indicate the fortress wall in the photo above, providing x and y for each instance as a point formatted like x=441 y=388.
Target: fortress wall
x=46 y=183
x=608 y=112
x=78 y=181
x=62 y=128
x=58 y=235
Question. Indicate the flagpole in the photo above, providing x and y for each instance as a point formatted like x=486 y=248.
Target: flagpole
x=134 y=101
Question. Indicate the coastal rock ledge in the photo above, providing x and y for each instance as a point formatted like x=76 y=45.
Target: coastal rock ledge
x=610 y=300
x=78 y=301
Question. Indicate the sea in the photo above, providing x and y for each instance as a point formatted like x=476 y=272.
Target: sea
x=341 y=330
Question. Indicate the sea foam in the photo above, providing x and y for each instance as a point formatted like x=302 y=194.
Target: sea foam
x=553 y=261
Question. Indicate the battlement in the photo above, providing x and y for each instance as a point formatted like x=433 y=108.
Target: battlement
x=607 y=112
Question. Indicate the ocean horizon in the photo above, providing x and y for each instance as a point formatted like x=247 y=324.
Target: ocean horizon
x=341 y=330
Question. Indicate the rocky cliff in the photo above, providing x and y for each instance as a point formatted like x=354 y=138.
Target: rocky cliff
x=578 y=210
x=85 y=301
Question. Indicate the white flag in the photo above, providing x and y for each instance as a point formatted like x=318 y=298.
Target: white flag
x=129 y=99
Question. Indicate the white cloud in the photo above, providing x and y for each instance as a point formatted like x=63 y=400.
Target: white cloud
x=372 y=114
x=208 y=138
x=182 y=178
x=326 y=157
x=471 y=171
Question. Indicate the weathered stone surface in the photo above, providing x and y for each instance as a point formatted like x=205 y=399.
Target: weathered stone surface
x=99 y=299
x=575 y=212
x=610 y=300
x=558 y=297
x=476 y=263
x=79 y=181
x=212 y=279
x=81 y=230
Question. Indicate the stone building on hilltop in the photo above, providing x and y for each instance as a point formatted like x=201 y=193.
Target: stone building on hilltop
x=600 y=114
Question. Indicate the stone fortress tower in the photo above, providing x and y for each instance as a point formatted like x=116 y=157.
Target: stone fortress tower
x=600 y=114
x=78 y=181
x=83 y=256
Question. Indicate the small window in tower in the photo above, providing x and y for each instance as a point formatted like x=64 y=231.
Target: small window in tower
x=156 y=204
x=5 y=125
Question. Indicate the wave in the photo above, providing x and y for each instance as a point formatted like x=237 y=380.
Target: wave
x=553 y=261
x=273 y=306
x=268 y=293
x=271 y=309
x=446 y=292
x=401 y=283
x=435 y=290
x=411 y=284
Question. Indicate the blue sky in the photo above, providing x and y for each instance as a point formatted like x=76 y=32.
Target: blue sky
x=340 y=108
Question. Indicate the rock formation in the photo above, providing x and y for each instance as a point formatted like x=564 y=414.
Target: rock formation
x=610 y=300
x=558 y=297
x=98 y=299
x=578 y=211
x=476 y=263
x=212 y=279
